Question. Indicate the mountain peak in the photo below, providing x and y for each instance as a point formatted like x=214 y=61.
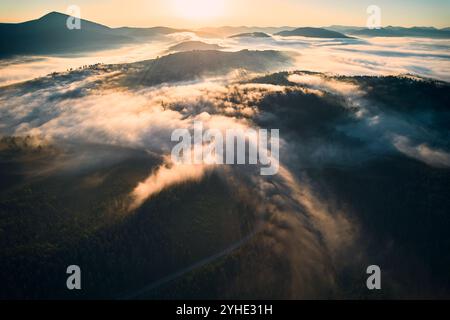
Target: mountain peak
x=52 y=15
x=55 y=18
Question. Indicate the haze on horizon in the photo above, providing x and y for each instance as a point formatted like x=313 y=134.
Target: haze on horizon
x=201 y=13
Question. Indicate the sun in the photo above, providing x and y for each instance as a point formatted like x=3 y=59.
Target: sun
x=199 y=9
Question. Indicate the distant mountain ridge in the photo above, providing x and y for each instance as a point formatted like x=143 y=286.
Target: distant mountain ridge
x=50 y=35
x=227 y=31
x=148 y=32
x=194 y=45
x=391 y=31
x=312 y=33
x=251 y=35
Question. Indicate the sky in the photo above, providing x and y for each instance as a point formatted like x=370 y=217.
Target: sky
x=198 y=13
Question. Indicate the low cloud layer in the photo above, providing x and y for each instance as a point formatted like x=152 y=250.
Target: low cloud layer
x=365 y=56
x=422 y=152
x=324 y=122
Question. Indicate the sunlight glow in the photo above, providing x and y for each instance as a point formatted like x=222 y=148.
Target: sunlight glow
x=199 y=9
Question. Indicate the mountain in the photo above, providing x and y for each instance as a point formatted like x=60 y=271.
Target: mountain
x=147 y=32
x=228 y=31
x=344 y=29
x=312 y=33
x=391 y=31
x=186 y=66
x=50 y=35
x=251 y=35
x=194 y=45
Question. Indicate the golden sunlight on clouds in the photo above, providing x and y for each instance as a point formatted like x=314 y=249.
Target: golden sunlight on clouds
x=166 y=175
